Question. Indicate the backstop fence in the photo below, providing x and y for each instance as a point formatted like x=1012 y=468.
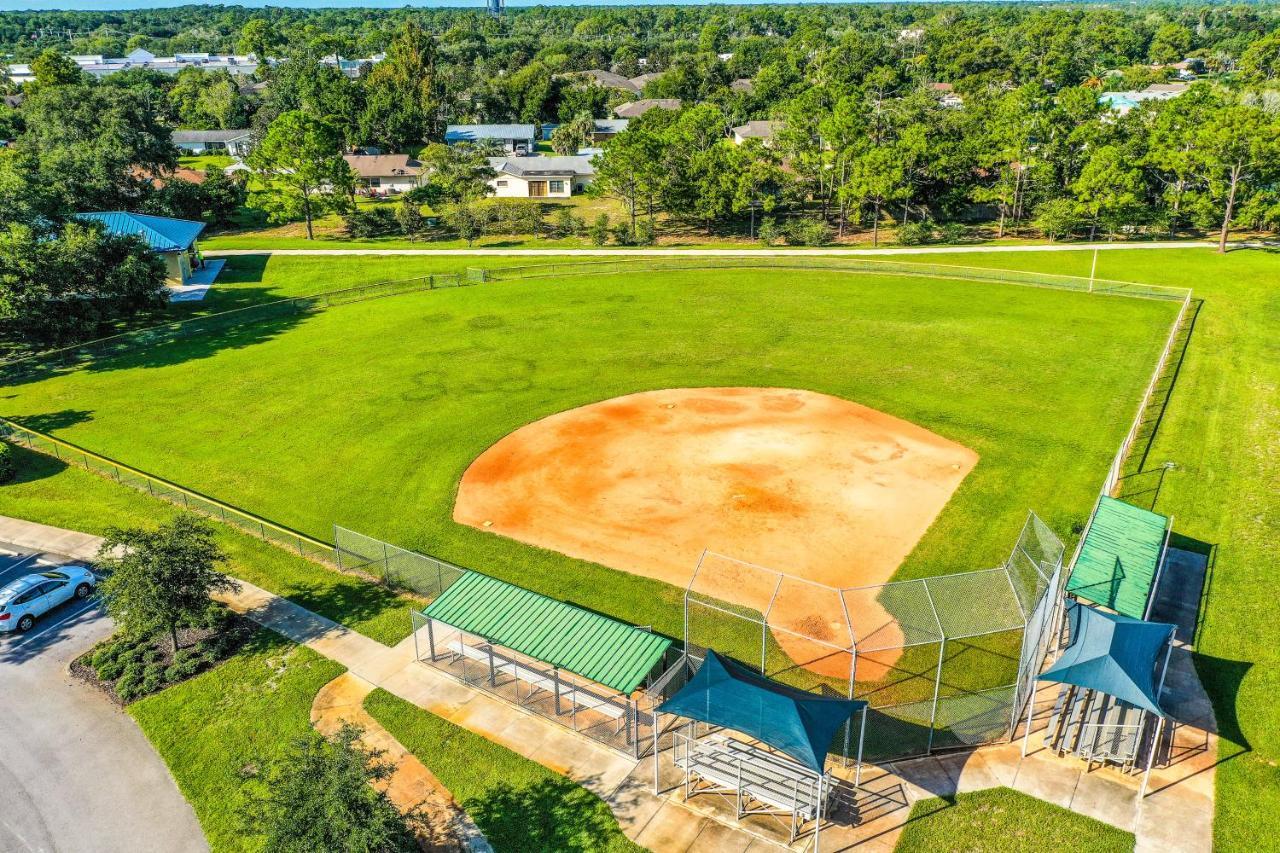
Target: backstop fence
x=395 y=567
x=945 y=661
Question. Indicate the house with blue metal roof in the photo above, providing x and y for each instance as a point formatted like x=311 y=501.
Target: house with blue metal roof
x=515 y=138
x=173 y=239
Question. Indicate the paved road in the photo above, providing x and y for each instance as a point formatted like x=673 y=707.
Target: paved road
x=732 y=253
x=76 y=773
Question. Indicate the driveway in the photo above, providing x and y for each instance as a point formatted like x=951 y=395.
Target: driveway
x=76 y=773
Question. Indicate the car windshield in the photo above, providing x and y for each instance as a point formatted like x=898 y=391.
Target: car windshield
x=54 y=576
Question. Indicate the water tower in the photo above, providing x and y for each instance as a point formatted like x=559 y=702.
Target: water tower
x=496 y=7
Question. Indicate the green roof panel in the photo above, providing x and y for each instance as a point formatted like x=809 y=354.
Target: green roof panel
x=1120 y=557
x=604 y=650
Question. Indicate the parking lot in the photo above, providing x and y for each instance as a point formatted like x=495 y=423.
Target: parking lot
x=76 y=773
x=14 y=563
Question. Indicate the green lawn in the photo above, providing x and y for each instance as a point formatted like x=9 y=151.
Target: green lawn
x=213 y=728
x=518 y=804
x=367 y=415
x=206 y=162
x=51 y=492
x=1001 y=820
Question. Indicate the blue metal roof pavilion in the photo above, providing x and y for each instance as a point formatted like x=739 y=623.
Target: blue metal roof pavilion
x=161 y=233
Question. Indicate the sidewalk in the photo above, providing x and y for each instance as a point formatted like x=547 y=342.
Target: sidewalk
x=730 y=253
x=1176 y=815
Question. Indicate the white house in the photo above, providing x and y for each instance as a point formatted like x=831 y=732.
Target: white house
x=635 y=109
x=541 y=177
x=384 y=174
x=233 y=142
x=516 y=138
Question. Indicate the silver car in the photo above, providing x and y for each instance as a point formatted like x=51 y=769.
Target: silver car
x=30 y=597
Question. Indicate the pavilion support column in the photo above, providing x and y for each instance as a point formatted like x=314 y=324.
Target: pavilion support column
x=656 y=729
x=555 y=680
x=431 y=638
x=1031 y=708
x=493 y=676
x=862 y=737
x=1151 y=760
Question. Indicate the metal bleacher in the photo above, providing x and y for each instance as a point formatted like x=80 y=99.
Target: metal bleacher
x=1096 y=727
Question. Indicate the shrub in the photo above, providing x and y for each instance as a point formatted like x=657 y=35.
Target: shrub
x=808 y=232
x=622 y=235
x=768 y=233
x=129 y=688
x=377 y=221
x=646 y=233
x=151 y=682
x=952 y=232
x=1056 y=218
x=916 y=233
x=599 y=231
x=410 y=218
x=8 y=467
x=517 y=217
x=172 y=673
x=565 y=223
x=109 y=670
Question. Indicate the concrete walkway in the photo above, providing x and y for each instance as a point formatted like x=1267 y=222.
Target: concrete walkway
x=730 y=253
x=1176 y=815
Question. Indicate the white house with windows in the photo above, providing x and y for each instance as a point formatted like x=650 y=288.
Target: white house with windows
x=541 y=177
x=385 y=174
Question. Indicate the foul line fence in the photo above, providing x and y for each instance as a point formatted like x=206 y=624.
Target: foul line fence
x=158 y=487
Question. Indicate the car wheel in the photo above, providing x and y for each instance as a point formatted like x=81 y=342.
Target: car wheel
x=25 y=623
x=83 y=591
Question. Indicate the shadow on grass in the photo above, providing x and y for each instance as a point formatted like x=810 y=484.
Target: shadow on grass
x=346 y=600
x=547 y=815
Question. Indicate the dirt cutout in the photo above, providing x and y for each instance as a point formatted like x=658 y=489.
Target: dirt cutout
x=808 y=484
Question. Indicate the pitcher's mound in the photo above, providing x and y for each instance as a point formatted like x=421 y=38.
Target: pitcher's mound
x=801 y=482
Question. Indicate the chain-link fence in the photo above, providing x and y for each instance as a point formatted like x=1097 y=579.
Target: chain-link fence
x=395 y=567
x=641 y=263
x=261 y=316
x=942 y=661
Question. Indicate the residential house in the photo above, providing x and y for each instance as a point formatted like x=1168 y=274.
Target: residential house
x=745 y=85
x=608 y=79
x=515 y=138
x=635 y=109
x=1121 y=102
x=233 y=142
x=173 y=239
x=602 y=129
x=946 y=94
x=643 y=80
x=762 y=130
x=237 y=65
x=351 y=67
x=385 y=174
x=541 y=177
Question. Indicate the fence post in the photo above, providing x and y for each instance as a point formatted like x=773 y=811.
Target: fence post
x=937 y=684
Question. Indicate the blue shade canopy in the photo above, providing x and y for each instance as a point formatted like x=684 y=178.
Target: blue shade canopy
x=1113 y=654
x=725 y=693
x=161 y=233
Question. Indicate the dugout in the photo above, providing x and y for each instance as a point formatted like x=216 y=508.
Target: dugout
x=1121 y=558
x=560 y=661
x=763 y=743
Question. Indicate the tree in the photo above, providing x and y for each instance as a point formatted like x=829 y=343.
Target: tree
x=300 y=167
x=453 y=174
x=877 y=178
x=56 y=289
x=1237 y=146
x=52 y=68
x=1109 y=188
x=573 y=134
x=630 y=170
x=1056 y=218
x=327 y=795
x=155 y=579
x=259 y=38
x=402 y=97
x=467 y=218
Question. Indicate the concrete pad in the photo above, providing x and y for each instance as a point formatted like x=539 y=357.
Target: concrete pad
x=1048 y=779
x=718 y=838
x=1106 y=799
x=925 y=777
x=672 y=830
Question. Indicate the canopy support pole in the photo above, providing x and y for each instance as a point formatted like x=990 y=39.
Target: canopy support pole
x=1031 y=707
x=656 y=729
x=1151 y=759
x=862 y=736
x=431 y=638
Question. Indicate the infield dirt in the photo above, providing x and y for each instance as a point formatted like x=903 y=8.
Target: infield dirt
x=820 y=488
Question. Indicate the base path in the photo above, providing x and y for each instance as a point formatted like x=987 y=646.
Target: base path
x=819 y=488
x=725 y=253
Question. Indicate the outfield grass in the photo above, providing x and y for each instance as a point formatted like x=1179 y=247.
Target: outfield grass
x=49 y=491
x=213 y=728
x=1001 y=820
x=518 y=804
x=367 y=415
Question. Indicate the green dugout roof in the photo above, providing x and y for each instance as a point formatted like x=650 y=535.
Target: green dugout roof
x=1120 y=557
x=604 y=650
